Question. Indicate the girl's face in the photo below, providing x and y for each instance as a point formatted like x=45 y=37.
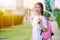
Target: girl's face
x=37 y=9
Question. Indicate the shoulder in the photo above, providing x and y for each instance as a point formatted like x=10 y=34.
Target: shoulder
x=43 y=17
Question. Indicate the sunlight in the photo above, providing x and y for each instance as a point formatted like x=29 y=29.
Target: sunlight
x=10 y=5
x=7 y=3
x=30 y=3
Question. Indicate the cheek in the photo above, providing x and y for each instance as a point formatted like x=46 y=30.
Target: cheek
x=37 y=9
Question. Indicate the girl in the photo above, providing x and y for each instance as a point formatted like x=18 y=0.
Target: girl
x=39 y=22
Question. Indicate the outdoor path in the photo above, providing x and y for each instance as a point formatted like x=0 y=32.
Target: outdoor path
x=56 y=31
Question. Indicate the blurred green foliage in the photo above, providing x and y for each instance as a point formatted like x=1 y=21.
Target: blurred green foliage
x=7 y=18
x=47 y=15
x=57 y=15
x=18 y=32
x=48 y=6
x=56 y=11
x=58 y=20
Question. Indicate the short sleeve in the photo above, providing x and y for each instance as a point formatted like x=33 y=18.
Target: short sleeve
x=44 y=22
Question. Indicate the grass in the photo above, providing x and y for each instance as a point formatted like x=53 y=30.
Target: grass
x=19 y=32
x=58 y=21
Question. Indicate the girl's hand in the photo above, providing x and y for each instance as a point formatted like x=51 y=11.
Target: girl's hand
x=39 y=20
x=41 y=26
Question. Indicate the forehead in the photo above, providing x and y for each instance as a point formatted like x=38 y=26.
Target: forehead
x=37 y=5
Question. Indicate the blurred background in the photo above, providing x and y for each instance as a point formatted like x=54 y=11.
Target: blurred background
x=15 y=18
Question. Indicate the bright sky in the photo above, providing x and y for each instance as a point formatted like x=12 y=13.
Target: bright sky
x=30 y=3
x=7 y=2
x=57 y=3
x=27 y=3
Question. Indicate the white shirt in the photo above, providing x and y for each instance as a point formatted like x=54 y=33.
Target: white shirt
x=36 y=30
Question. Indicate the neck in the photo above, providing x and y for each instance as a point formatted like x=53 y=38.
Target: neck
x=39 y=14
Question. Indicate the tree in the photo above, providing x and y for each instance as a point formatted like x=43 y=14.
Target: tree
x=47 y=15
x=56 y=11
x=47 y=5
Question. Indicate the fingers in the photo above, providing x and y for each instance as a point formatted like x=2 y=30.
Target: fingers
x=38 y=19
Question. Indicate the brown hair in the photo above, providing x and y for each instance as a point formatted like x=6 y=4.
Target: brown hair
x=41 y=5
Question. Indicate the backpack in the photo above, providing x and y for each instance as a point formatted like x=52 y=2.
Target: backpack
x=46 y=35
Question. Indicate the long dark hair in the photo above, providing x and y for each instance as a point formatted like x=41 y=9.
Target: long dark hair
x=41 y=5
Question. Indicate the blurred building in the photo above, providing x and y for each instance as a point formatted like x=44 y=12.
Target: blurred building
x=18 y=6
x=11 y=4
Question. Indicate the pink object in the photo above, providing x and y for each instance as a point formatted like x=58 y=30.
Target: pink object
x=46 y=35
